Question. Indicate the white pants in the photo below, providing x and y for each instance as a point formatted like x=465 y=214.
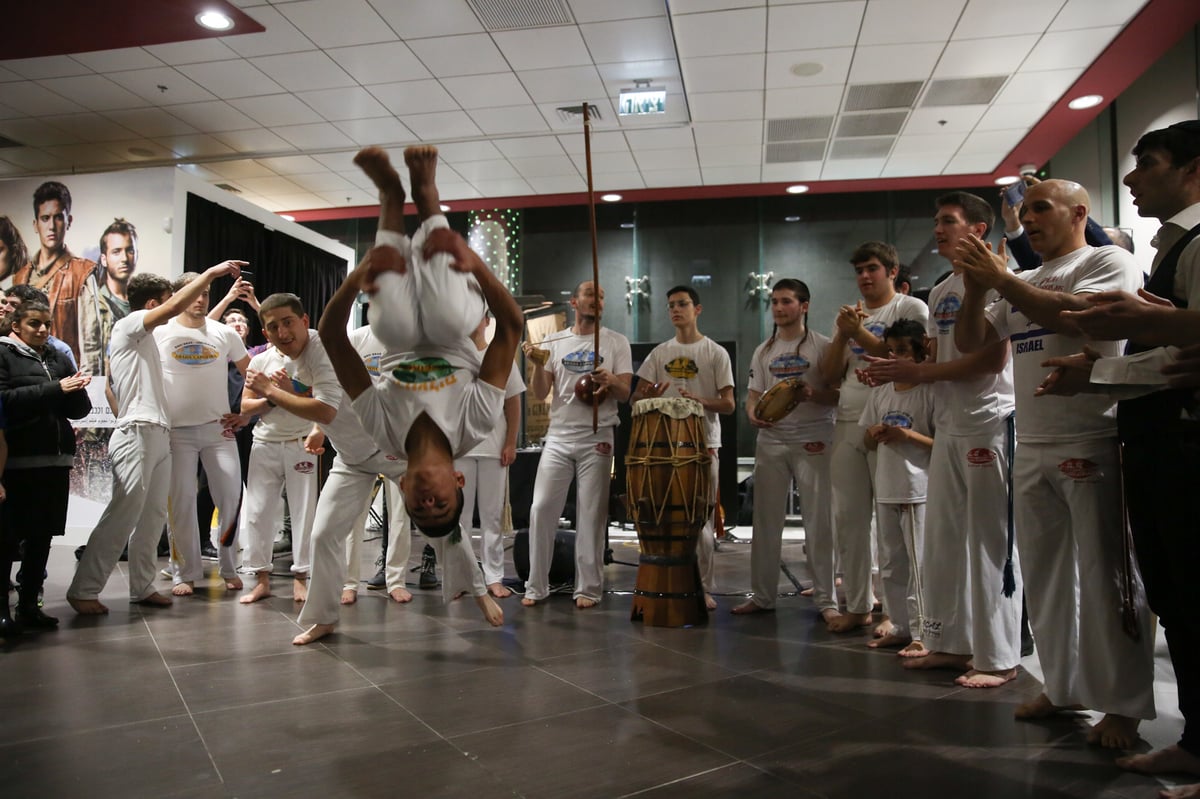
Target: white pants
x=141 y=468
x=588 y=459
x=399 y=540
x=190 y=446
x=274 y=465
x=776 y=465
x=852 y=471
x=1069 y=529
x=966 y=546
x=901 y=529
x=486 y=475
x=430 y=304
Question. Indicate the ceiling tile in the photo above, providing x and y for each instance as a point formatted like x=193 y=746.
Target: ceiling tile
x=88 y=155
x=699 y=6
x=514 y=119
x=894 y=62
x=531 y=147
x=503 y=188
x=1066 y=49
x=37 y=132
x=1033 y=87
x=254 y=140
x=994 y=143
x=458 y=191
x=95 y=92
x=351 y=196
x=834 y=63
x=375 y=131
x=901 y=166
x=604 y=142
x=55 y=66
x=544 y=167
x=544 y=48
x=944 y=144
x=237 y=170
x=610 y=162
x=658 y=71
x=7 y=75
x=417 y=96
x=273 y=184
x=357 y=22
x=1002 y=117
x=200 y=171
x=910 y=21
x=296 y=201
x=568 y=83
x=970 y=164
x=145 y=83
x=275 y=109
x=852 y=169
x=116 y=60
x=487 y=91
x=475 y=171
x=29 y=158
x=985 y=18
x=148 y=122
x=443 y=125
x=196 y=145
x=791 y=173
x=447 y=56
x=720 y=175
x=724 y=73
x=666 y=159
x=314 y=136
x=292 y=165
x=730 y=155
x=299 y=72
x=815 y=101
x=348 y=103
x=192 y=52
x=417 y=19
x=557 y=184
x=280 y=36
x=467 y=151
x=661 y=139
x=379 y=63
x=590 y=11
x=722 y=33
x=668 y=178
x=617 y=181
x=605 y=116
x=994 y=56
x=944 y=119
x=716 y=134
x=821 y=25
x=35 y=100
x=718 y=106
x=229 y=79
x=629 y=40
x=1090 y=14
x=140 y=150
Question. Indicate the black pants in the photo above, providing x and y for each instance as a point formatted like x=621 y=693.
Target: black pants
x=1161 y=471
x=35 y=512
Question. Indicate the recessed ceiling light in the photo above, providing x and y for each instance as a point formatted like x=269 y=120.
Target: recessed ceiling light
x=806 y=69
x=288 y=217
x=214 y=20
x=611 y=198
x=1007 y=180
x=627 y=226
x=1086 y=101
x=444 y=208
x=791 y=219
x=799 y=188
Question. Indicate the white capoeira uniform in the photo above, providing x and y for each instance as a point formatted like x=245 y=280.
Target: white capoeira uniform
x=852 y=468
x=967 y=519
x=278 y=460
x=194 y=362
x=796 y=448
x=140 y=449
x=486 y=480
x=1068 y=513
x=703 y=368
x=572 y=450
x=901 y=485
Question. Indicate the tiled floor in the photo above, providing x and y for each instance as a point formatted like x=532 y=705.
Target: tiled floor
x=209 y=698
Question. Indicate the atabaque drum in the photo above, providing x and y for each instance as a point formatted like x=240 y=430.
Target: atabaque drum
x=668 y=473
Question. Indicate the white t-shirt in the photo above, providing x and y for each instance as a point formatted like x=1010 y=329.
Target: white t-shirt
x=195 y=369
x=901 y=470
x=312 y=376
x=352 y=442
x=702 y=367
x=493 y=444
x=964 y=406
x=571 y=357
x=1063 y=419
x=853 y=393
x=135 y=373
x=777 y=360
x=375 y=356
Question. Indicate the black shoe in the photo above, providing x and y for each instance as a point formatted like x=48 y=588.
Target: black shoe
x=429 y=578
x=379 y=581
x=1026 y=646
x=283 y=546
x=208 y=551
x=9 y=628
x=33 y=618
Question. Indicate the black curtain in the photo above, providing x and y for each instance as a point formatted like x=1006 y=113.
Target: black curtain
x=278 y=261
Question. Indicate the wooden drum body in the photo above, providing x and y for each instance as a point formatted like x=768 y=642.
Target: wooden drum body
x=668 y=474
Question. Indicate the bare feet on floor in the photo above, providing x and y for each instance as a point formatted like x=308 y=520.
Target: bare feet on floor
x=1042 y=708
x=87 y=607
x=1182 y=792
x=1114 y=732
x=748 y=608
x=710 y=604
x=849 y=622
x=1171 y=760
x=976 y=678
x=893 y=640
x=422 y=170
x=583 y=603
x=314 y=633
x=499 y=590
x=233 y=583
x=885 y=627
x=261 y=590
x=829 y=614
x=401 y=595
x=935 y=660
x=807 y=591
x=299 y=590
x=183 y=589
x=491 y=611
x=155 y=600
x=349 y=596
x=914 y=649
x=527 y=602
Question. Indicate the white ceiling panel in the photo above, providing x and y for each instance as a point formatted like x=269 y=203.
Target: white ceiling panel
x=503 y=188
x=514 y=119
x=815 y=101
x=33 y=99
x=472 y=54
x=718 y=175
x=413 y=97
x=280 y=36
x=195 y=145
x=418 y=19
x=239 y=169
x=357 y=22
x=324 y=182
x=1067 y=49
x=531 y=147
x=681 y=158
x=487 y=91
x=376 y=131
x=557 y=184
x=94 y=92
x=314 y=136
x=789 y=69
x=729 y=155
x=853 y=169
x=815 y=26
x=467 y=151
x=340 y=104
x=162 y=84
x=894 y=62
x=661 y=139
x=292 y=165
x=566 y=84
x=387 y=62
x=544 y=167
x=254 y=140
x=986 y=18
x=669 y=178
x=995 y=56
x=1037 y=87
x=192 y=52
x=910 y=21
x=298 y=72
x=947 y=119
x=37 y=130
x=543 y=48
x=718 y=134
x=442 y=125
x=721 y=106
x=606 y=163
x=997 y=142
x=57 y=66
x=970 y=164
x=1008 y=117
x=116 y=60
x=591 y=11
x=945 y=144
x=791 y=173
x=629 y=40
x=107 y=127
x=700 y=6
x=722 y=33
x=903 y=166
x=1078 y=14
x=274 y=109
x=231 y=79
x=724 y=73
x=603 y=142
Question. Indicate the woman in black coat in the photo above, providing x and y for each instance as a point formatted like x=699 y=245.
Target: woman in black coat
x=40 y=392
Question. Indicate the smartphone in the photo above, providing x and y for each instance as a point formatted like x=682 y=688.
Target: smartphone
x=1014 y=195
x=246 y=274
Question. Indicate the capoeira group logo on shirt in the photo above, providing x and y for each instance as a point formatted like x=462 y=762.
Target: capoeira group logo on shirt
x=1030 y=341
x=425 y=374
x=581 y=361
x=946 y=312
x=372 y=362
x=790 y=365
x=898 y=419
x=681 y=368
x=195 y=353
x=875 y=328
x=300 y=389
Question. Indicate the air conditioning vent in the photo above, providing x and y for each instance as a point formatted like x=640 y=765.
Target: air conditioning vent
x=798 y=128
x=963 y=91
x=878 y=96
x=509 y=15
x=790 y=152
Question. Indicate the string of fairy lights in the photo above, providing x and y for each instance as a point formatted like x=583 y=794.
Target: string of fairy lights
x=495 y=236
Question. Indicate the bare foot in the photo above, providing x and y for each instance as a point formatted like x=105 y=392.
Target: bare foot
x=300 y=589
x=583 y=603
x=807 y=591
x=155 y=600
x=849 y=622
x=1114 y=732
x=829 y=614
x=349 y=596
x=261 y=590
x=378 y=167
x=710 y=604
x=1171 y=760
x=233 y=583
x=748 y=608
x=937 y=660
x=1182 y=792
x=183 y=589
x=401 y=595
x=87 y=607
x=1041 y=708
x=422 y=169
x=885 y=627
x=314 y=633
x=499 y=590
x=527 y=602
x=985 y=679
x=893 y=640
x=491 y=611
x=914 y=650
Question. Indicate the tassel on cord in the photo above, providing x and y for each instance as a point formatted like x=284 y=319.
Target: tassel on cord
x=1010 y=577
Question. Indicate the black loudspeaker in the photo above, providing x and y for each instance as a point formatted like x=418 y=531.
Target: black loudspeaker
x=562 y=562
